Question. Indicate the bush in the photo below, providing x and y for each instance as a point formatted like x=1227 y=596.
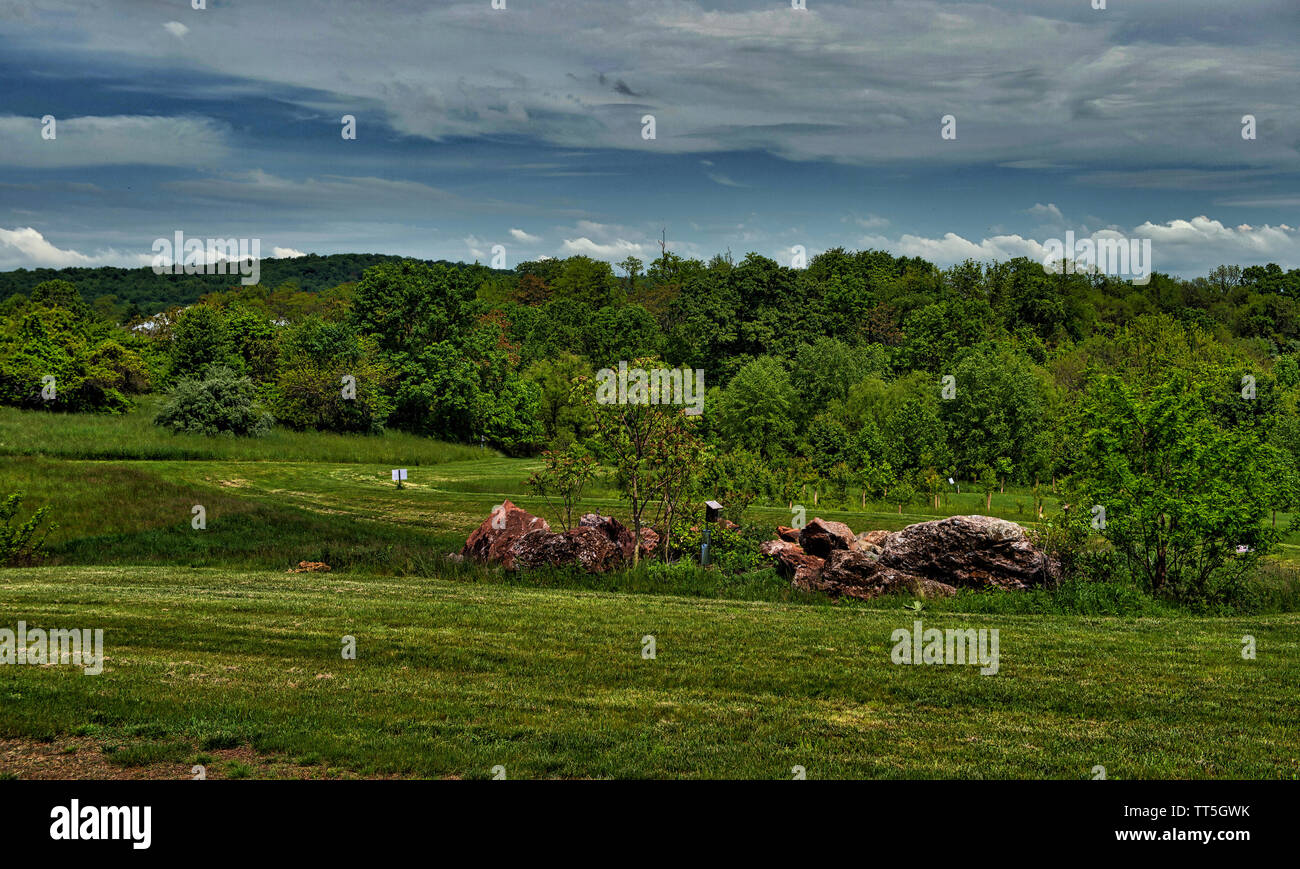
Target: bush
x=18 y=543
x=730 y=551
x=221 y=403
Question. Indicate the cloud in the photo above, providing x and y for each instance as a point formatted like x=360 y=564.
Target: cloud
x=175 y=28
x=112 y=140
x=617 y=250
x=520 y=235
x=952 y=248
x=725 y=181
x=286 y=253
x=1185 y=247
x=25 y=247
x=1077 y=88
x=1048 y=212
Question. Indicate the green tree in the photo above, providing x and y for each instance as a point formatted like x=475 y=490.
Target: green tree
x=1185 y=501
x=223 y=402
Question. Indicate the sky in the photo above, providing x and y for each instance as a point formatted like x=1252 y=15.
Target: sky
x=774 y=128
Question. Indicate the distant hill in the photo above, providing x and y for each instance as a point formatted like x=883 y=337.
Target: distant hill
x=151 y=293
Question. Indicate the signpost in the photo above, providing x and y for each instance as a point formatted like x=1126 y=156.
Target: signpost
x=399 y=474
x=712 y=510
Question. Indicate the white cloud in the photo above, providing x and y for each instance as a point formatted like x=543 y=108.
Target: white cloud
x=1186 y=247
x=25 y=247
x=520 y=235
x=175 y=28
x=286 y=253
x=618 y=250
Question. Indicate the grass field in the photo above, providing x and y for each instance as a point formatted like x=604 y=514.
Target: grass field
x=453 y=679
x=217 y=656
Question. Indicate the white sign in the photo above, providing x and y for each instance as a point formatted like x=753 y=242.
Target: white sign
x=399 y=474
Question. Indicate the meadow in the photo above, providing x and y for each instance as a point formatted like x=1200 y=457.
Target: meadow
x=216 y=655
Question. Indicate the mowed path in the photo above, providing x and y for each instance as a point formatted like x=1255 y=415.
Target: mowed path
x=455 y=678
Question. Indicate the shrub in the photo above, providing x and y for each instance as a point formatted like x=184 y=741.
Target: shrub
x=731 y=551
x=221 y=403
x=18 y=543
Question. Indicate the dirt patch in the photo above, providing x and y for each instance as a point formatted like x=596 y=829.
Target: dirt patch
x=84 y=758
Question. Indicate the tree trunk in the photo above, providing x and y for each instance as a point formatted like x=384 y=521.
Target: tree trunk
x=988 y=501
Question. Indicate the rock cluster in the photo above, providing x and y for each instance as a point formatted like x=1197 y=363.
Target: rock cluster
x=518 y=540
x=929 y=559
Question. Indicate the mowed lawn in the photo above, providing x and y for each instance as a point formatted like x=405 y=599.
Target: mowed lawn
x=453 y=679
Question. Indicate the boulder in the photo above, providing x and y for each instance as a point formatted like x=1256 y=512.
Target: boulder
x=517 y=540
x=792 y=562
x=620 y=534
x=584 y=546
x=853 y=573
x=490 y=543
x=820 y=537
x=790 y=535
x=967 y=551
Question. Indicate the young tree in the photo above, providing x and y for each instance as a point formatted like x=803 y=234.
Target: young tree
x=987 y=482
x=647 y=445
x=901 y=494
x=563 y=475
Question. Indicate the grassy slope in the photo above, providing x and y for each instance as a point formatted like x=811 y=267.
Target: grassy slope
x=453 y=678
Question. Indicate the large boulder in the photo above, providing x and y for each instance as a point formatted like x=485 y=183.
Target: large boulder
x=490 y=543
x=790 y=535
x=978 y=552
x=820 y=537
x=584 y=546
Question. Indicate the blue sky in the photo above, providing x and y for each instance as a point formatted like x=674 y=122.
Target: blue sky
x=775 y=127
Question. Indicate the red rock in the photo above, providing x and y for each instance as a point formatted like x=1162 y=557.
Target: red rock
x=792 y=562
x=490 y=543
x=790 y=535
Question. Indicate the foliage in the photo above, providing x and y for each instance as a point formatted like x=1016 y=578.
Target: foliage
x=19 y=543
x=1184 y=500
x=222 y=402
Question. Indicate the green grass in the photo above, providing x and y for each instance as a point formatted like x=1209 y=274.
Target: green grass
x=133 y=436
x=453 y=678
